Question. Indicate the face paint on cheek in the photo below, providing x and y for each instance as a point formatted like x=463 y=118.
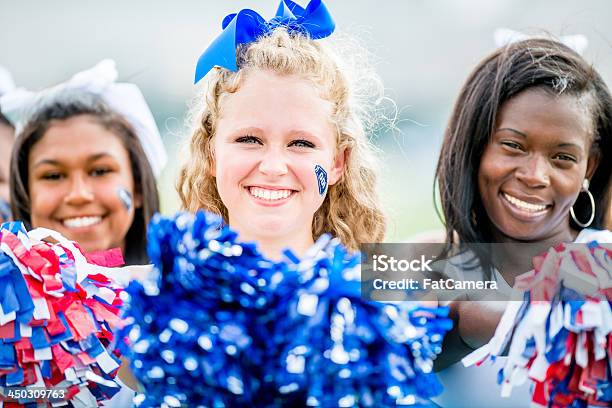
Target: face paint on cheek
x=125 y=197
x=321 y=176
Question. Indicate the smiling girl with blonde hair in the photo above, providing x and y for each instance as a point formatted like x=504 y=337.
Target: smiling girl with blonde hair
x=290 y=107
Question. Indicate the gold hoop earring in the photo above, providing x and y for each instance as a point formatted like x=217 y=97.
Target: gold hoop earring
x=585 y=188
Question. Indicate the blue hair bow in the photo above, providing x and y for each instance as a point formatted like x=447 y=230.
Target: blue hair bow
x=247 y=26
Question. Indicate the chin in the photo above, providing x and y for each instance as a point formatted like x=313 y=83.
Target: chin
x=273 y=229
x=522 y=234
x=280 y=227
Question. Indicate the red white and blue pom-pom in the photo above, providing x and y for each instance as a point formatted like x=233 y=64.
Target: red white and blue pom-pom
x=220 y=325
x=57 y=318
x=560 y=336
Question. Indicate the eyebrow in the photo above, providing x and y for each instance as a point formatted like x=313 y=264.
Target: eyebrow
x=306 y=134
x=91 y=158
x=569 y=145
x=518 y=132
x=255 y=131
x=248 y=130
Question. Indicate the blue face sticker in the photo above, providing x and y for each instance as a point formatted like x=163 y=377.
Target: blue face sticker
x=321 y=175
x=125 y=197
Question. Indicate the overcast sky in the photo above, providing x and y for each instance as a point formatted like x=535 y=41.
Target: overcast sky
x=425 y=48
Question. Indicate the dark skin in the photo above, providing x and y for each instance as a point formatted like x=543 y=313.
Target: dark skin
x=530 y=174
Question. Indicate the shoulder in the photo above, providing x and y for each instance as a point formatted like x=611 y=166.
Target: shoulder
x=588 y=234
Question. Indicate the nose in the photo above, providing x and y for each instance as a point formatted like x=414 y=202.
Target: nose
x=80 y=191
x=534 y=172
x=273 y=163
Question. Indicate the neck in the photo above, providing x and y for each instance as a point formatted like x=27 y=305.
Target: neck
x=566 y=235
x=272 y=247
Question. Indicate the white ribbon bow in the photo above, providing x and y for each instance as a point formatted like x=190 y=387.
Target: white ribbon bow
x=6 y=81
x=505 y=36
x=124 y=98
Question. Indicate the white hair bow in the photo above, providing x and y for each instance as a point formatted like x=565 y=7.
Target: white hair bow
x=6 y=81
x=505 y=36
x=124 y=98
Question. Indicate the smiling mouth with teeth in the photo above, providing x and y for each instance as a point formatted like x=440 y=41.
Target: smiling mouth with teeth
x=269 y=195
x=525 y=206
x=81 y=222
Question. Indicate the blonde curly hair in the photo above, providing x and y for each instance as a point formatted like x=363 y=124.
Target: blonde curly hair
x=351 y=210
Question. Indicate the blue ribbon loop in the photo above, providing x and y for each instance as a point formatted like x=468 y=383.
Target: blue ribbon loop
x=247 y=26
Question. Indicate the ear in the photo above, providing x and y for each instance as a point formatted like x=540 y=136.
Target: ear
x=593 y=163
x=337 y=170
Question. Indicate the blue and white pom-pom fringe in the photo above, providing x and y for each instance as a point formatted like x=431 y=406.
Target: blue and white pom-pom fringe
x=222 y=326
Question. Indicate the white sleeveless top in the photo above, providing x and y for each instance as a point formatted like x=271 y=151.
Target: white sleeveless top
x=476 y=387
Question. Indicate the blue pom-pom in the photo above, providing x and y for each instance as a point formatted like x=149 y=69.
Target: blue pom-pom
x=220 y=325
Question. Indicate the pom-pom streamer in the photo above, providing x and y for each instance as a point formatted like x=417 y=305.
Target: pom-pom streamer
x=220 y=325
x=562 y=340
x=57 y=317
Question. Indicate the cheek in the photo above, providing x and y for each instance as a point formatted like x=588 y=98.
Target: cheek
x=114 y=193
x=484 y=179
x=232 y=167
x=44 y=200
x=568 y=185
x=309 y=173
x=492 y=171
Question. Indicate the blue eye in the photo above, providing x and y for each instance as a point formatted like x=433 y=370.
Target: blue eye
x=302 y=143
x=248 y=140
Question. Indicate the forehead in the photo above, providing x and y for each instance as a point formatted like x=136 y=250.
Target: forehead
x=7 y=138
x=77 y=138
x=276 y=102
x=540 y=112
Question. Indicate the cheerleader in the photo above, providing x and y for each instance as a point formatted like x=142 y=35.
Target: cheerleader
x=280 y=149
x=84 y=164
x=526 y=159
x=257 y=300
x=85 y=160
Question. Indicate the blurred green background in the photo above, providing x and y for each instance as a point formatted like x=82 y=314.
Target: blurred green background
x=424 y=50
